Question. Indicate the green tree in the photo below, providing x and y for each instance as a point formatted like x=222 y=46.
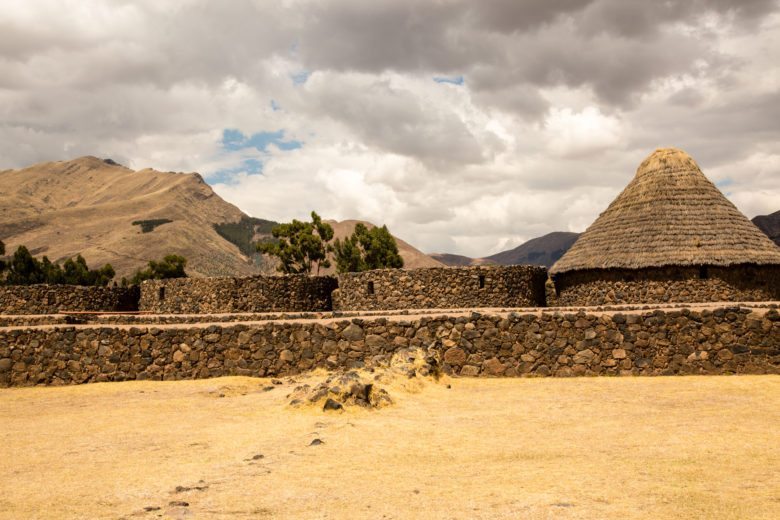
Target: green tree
x=76 y=272
x=171 y=266
x=300 y=245
x=367 y=249
x=25 y=269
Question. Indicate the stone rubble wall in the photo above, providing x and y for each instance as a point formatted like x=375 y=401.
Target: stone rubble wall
x=442 y=288
x=667 y=285
x=52 y=299
x=291 y=293
x=721 y=341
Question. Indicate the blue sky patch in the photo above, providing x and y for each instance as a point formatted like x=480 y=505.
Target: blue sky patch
x=453 y=80
x=299 y=78
x=234 y=140
x=275 y=106
x=226 y=175
x=725 y=182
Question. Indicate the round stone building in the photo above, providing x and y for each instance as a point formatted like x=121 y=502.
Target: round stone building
x=670 y=236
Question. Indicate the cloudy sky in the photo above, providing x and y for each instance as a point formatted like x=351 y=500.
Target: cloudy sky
x=467 y=127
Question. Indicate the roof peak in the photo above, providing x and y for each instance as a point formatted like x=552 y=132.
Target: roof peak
x=669 y=214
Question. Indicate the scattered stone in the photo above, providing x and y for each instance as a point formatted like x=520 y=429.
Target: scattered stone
x=316 y=442
x=179 y=503
x=330 y=404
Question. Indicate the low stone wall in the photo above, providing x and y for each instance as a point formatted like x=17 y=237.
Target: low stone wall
x=292 y=293
x=743 y=283
x=51 y=299
x=725 y=340
x=442 y=288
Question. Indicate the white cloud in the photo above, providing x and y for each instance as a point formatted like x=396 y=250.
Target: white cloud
x=580 y=134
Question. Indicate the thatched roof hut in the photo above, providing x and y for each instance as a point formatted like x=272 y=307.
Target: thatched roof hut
x=669 y=215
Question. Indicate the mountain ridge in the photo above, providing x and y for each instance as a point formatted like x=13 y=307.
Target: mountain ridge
x=109 y=213
x=770 y=225
x=544 y=251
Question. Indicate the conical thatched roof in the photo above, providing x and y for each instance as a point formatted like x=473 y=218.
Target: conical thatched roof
x=670 y=214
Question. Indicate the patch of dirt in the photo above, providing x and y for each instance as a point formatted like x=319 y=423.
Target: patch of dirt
x=408 y=369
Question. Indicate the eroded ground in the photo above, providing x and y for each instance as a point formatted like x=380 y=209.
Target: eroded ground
x=676 y=447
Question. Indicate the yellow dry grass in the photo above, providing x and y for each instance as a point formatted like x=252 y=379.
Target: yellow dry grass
x=680 y=447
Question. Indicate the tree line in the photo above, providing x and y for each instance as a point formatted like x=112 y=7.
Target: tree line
x=304 y=247
x=22 y=268
x=300 y=246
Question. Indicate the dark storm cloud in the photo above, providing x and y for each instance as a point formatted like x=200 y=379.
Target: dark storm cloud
x=615 y=46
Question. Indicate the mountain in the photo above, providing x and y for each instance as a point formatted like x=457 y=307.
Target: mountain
x=452 y=260
x=769 y=224
x=545 y=251
x=413 y=258
x=111 y=214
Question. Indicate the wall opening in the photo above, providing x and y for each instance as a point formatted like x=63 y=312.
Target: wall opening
x=370 y=287
x=703 y=272
x=482 y=281
x=51 y=298
x=161 y=294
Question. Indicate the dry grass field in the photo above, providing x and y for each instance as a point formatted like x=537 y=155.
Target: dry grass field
x=679 y=447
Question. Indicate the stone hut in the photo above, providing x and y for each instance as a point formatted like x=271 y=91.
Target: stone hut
x=670 y=236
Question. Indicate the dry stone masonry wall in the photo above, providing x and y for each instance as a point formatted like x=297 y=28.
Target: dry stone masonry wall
x=724 y=340
x=743 y=283
x=442 y=288
x=292 y=293
x=52 y=299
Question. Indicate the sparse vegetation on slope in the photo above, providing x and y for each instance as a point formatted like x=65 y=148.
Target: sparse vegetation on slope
x=242 y=233
x=147 y=226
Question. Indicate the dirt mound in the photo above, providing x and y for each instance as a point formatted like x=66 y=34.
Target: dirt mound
x=406 y=370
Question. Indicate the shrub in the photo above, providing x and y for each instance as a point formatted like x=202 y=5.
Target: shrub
x=172 y=266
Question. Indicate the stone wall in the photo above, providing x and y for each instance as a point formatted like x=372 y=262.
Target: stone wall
x=742 y=283
x=52 y=299
x=721 y=341
x=442 y=288
x=291 y=293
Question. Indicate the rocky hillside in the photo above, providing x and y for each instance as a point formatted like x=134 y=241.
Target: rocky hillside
x=112 y=214
x=545 y=251
x=769 y=224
